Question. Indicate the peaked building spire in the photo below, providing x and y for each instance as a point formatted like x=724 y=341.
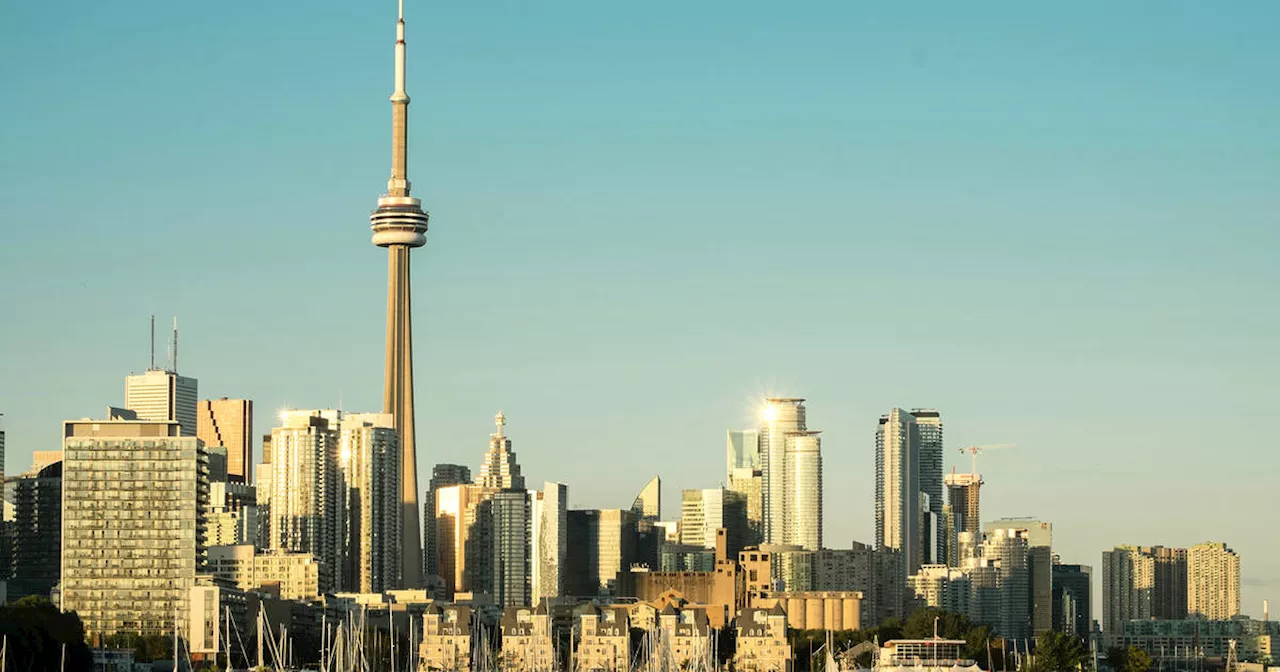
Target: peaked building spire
x=400 y=224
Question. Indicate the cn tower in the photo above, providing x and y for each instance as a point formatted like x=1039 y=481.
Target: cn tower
x=399 y=224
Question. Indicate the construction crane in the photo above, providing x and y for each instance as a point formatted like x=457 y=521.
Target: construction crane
x=974 y=450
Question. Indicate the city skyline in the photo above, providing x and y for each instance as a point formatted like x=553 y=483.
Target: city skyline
x=1058 y=350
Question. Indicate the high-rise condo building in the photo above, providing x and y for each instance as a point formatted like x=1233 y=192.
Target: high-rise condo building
x=781 y=417
x=1008 y=549
x=233 y=513
x=1039 y=565
x=750 y=484
x=603 y=548
x=36 y=541
x=1072 y=599
x=499 y=469
x=130 y=485
x=1213 y=581
x=961 y=510
x=370 y=460
x=804 y=490
x=400 y=225
x=707 y=510
x=791 y=475
x=158 y=394
x=511 y=523
x=308 y=494
x=442 y=476
x=929 y=422
x=229 y=423
x=742 y=450
x=549 y=541
x=962 y=496
x=463 y=537
x=1141 y=583
x=898 y=488
x=744 y=475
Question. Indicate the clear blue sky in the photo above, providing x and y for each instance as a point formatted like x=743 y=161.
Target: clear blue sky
x=1057 y=224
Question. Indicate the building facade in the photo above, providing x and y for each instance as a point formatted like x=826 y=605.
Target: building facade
x=527 y=639
x=706 y=510
x=549 y=540
x=1213 y=581
x=933 y=544
x=442 y=475
x=158 y=394
x=605 y=642
x=308 y=491
x=648 y=504
x=229 y=423
x=602 y=549
x=1072 y=599
x=370 y=461
x=803 y=483
x=511 y=582
x=1039 y=535
x=446 y=639
x=762 y=644
x=133 y=531
x=898 y=488
x=781 y=417
x=36 y=533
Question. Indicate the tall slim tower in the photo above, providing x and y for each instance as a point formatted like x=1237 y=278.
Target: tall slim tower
x=781 y=416
x=399 y=224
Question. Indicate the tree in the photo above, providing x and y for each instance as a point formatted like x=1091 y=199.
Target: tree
x=37 y=634
x=920 y=624
x=1128 y=659
x=1059 y=652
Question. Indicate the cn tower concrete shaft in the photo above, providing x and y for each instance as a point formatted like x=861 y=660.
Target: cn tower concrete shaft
x=397 y=399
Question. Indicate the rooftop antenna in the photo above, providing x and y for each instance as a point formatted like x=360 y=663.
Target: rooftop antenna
x=153 y=342
x=175 y=344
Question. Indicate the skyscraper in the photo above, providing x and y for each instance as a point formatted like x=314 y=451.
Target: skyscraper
x=962 y=492
x=500 y=469
x=1008 y=548
x=308 y=494
x=962 y=502
x=158 y=394
x=929 y=421
x=511 y=523
x=130 y=485
x=781 y=416
x=744 y=475
x=442 y=476
x=1072 y=599
x=898 y=488
x=399 y=224
x=707 y=510
x=804 y=490
x=229 y=423
x=1213 y=581
x=549 y=542
x=742 y=450
x=1128 y=581
x=462 y=536
x=1039 y=566
x=37 y=531
x=370 y=462
x=603 y=547
x=648 y=504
